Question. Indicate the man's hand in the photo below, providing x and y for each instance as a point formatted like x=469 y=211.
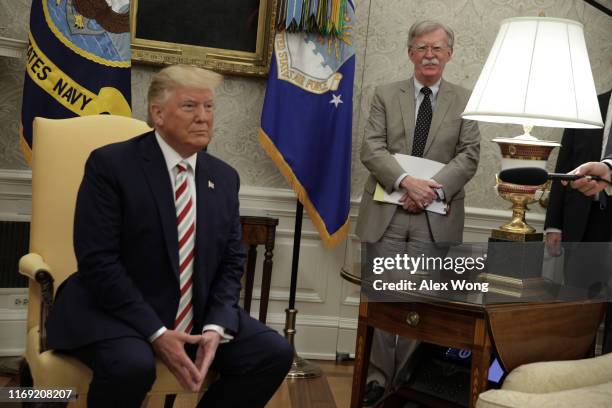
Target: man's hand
x=553 y=243
x=207 y=348
x=421 y=191
x=170 y=348
x=410 y=205
x=586 y=186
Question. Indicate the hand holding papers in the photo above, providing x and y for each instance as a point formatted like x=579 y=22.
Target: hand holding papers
x=416 y=167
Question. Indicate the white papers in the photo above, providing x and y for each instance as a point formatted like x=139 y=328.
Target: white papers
x=417 y=167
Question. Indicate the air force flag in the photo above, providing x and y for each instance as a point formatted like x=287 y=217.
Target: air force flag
x=306 y=123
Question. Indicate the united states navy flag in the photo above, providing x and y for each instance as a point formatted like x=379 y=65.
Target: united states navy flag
x=306 y=123
x=78 y=62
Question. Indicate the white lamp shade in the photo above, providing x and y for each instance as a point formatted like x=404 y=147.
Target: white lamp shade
x=537 y=73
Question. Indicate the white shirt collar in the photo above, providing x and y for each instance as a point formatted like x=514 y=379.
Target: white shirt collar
x=171 y=157
x=434 y=88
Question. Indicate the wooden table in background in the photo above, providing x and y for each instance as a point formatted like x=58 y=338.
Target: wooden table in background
x=522 y=333
x=258 y=230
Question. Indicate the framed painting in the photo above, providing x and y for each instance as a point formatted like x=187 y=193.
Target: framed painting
x=228 y=36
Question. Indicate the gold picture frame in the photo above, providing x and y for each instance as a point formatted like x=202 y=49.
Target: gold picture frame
x=228 y=36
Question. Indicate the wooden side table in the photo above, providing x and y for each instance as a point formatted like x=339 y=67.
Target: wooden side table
x=522 y=333
x=256 y=231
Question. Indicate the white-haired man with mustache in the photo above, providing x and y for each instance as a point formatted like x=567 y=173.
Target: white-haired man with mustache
x=420 y=116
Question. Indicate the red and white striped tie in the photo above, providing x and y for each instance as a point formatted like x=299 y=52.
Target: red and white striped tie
x=185 y=216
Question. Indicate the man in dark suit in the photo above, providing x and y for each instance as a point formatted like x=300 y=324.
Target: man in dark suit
x=571 y=216
x=157 y=237
x=574 y=217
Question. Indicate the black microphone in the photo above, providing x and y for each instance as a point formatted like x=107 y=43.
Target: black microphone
x=534 y=176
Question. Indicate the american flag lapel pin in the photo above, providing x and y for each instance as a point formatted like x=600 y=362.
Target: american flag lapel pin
x=211 y=185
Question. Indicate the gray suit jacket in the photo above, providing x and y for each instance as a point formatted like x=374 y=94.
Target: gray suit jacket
x=451 y=140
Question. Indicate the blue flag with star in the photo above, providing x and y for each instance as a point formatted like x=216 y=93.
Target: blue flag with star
x=306 y=122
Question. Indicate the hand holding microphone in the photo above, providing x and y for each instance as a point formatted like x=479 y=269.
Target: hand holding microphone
x=583 y=178
x=594 y=177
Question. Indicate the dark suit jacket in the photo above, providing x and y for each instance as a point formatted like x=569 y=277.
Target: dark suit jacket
x=568 y=209
x=126 y=244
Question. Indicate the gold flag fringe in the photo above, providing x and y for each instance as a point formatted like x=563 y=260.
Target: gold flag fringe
x=329 y=240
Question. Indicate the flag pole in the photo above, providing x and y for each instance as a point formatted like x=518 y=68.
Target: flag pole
x=300 y=368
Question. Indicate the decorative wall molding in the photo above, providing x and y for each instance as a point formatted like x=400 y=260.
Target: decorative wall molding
x=15 y=195
x=10 y=47
x=12 y=321
x=328 y=305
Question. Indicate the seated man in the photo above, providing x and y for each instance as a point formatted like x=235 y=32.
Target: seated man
x=157 y=237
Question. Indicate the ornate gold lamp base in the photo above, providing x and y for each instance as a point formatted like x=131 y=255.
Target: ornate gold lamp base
x=300 y=368
x=514 y=260
x=501 y=235
x=519 y=196
x=514 y=257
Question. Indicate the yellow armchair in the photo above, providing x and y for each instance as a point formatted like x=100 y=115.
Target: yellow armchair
x=60 y=150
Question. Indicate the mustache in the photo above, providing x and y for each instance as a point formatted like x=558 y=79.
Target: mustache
x=430 y=61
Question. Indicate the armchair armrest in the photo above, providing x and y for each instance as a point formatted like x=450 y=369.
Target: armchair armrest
x=554 y=376
x=33 y=266
x=30 y=264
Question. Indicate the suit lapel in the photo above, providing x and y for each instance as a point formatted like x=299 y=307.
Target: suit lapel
x=205 y=193
x=443 y=102
x=406 y=102
x=158 y=179
x=596 y=141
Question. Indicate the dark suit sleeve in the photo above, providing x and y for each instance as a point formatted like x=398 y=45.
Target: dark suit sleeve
x=556 y=202
x=222 y=308
x=97 y=241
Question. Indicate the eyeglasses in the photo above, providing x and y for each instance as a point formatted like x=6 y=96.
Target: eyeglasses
x=435 y=49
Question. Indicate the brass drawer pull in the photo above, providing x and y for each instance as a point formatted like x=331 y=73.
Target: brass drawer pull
x=413 y=319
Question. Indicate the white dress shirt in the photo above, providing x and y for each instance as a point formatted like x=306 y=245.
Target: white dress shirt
x=418 y=99
x=172 y=158
x=606 y=133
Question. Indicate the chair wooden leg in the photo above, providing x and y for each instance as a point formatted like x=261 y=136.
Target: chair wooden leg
x=250 y=277
x=169 y=401
x=25 y=376
x=265 y=284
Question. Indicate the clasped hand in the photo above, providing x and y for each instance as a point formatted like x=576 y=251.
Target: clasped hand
x=170 y=348
x=419 y=193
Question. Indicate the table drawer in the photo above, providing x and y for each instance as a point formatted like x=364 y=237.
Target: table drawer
x=424 y=321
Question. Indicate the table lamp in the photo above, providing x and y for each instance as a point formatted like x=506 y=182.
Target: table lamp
x=537 y=74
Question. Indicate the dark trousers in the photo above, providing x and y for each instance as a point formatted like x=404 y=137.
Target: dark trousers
x=598 y=230
x=589 y=266
x=251 y=367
